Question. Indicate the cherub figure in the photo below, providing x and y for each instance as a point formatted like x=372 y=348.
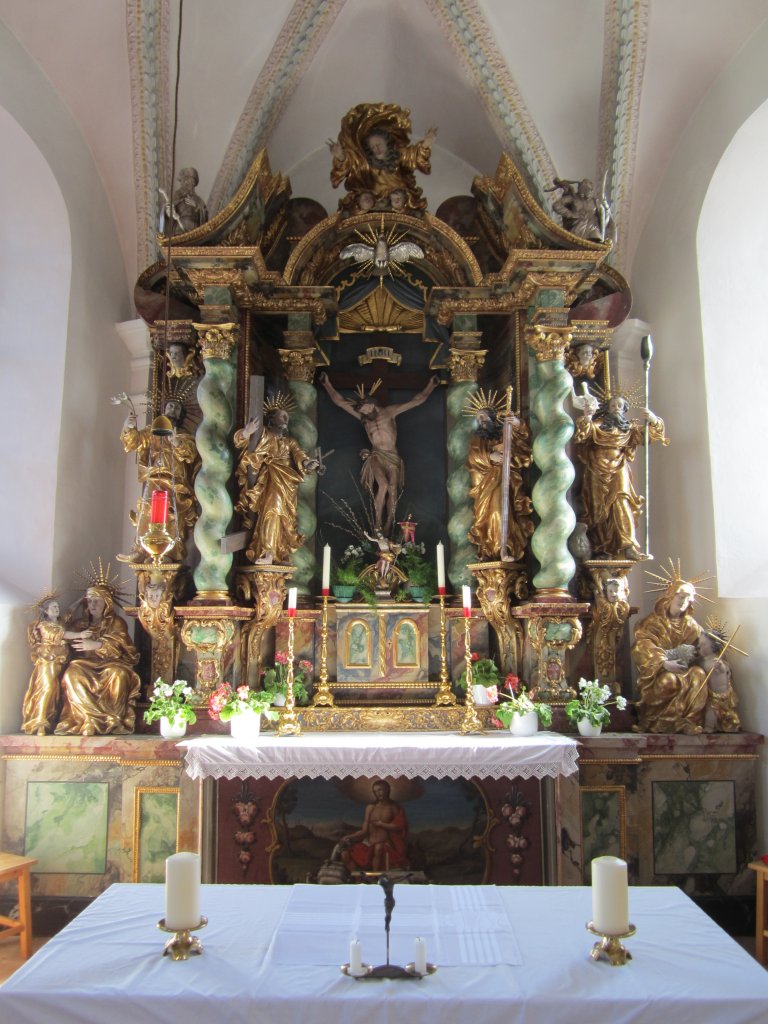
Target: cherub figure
x=374 y=154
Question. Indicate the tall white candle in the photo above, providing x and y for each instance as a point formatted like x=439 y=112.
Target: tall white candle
x=355 y=957
x=326 y=584
x=291 y=601
x=420 y=956
x=182 y=891
x=441 y=567
x=466 y=594
x=610 y=896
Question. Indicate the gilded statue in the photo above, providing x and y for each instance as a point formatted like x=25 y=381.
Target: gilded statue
x=609 y=616
x=582 y=359
x=164 y=466
x=181 y=360
x=48 y=648
x=681 y=689
x=376 y=160
x=383 y=472
x=268 y=478
x=99 y=686
x=485 y=462
x=189 y=211
x=606 y=441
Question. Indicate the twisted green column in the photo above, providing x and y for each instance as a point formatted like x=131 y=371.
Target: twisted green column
x=459 y=483
x=303 y=427
x=216 y=395
x=553 y=428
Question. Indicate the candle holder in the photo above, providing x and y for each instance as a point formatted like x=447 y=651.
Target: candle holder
x=183 y=945
x=444 y=696
x=365 y=970
x=609 y=947
x=157 y=541
x=471 y=722
x=323 y=696
x=289 y=724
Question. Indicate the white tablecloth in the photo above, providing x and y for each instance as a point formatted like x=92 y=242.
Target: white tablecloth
x=411 y=755
x=106 y=967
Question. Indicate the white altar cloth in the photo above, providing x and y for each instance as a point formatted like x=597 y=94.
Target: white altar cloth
x=358 y=754
x=106 y=966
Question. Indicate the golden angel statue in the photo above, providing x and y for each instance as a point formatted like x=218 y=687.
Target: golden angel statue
x=268 y=477
x=48 y=648
x=376 y=160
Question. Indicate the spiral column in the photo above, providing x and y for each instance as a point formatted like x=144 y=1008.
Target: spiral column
x=215 y=395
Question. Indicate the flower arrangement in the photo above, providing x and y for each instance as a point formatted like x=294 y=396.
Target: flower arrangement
x=349 y=566
x=592 y=703
x=485 y=673
x=517 y=700
x=172 y=701
x=419 y=570
x=225 y=702
x=276 y=678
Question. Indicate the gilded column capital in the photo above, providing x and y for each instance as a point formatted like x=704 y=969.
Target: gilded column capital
x=298 y=364
x=547 y=342
x=217 y=340
x=464 y=364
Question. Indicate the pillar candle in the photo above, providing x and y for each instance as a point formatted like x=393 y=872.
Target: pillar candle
x=182 y=891
x=355 y=957
x=466 y=594
x=292 y=602
x=610 y=896
x=326 y=584
x=420 y=956
x=159 y=511
x=440 y=568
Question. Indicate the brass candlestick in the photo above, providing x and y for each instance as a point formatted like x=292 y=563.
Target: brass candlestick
x=471 y=722
x=323 y=696
x=609 y=947
x=183 y=945
x=157 y=541
x=289 y=724
x=444 y=695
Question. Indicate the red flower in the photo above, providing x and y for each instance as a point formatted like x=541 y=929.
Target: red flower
x=512 y=683
x=495 y=722
x=475 y=656
x=305 y=665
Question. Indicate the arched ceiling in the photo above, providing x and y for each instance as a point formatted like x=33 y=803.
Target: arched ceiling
x=589 y=89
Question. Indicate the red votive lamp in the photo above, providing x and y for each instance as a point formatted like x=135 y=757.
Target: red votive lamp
x=292 y=603
x=159 y=513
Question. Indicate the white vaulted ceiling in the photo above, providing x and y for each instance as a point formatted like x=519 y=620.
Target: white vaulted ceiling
x=575 y=88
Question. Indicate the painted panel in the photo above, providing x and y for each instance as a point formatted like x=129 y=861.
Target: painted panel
x=694 y=828
x=155 y=832
x=66 y=827
x=603 y=825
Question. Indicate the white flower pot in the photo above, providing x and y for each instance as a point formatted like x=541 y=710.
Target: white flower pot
x=246 y=725
x=524 y=725
x=173 y=728
x=586 y=728
x=279 y=701
x=480 y=695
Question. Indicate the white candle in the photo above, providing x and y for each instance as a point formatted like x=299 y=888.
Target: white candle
x=466 y=594
x=291 y=602
x=355 y=957
x=610 y=896
x=182 y=891
x=420 y=956
x=440 y=568
x=326 y=585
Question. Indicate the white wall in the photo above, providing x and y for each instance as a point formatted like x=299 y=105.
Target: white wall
x=79 y=359
x=666 y=287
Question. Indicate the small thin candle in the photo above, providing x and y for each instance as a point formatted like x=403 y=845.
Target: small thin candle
x=159 y=512
x=326 y=584
x=440 y=568
x=610 y=896
x=420 y=956
x=355 y=957
x=466 y=595
x=292 y=602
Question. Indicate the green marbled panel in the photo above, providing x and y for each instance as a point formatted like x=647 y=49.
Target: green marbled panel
x=158 y=815
x=66 y=827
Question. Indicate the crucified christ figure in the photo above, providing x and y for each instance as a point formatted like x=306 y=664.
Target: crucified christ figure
x=383 y=472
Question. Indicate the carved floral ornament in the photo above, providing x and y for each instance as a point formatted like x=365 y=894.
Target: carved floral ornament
x=298 y=364
x=548 y=343
x=464 y=365
x=217 y=341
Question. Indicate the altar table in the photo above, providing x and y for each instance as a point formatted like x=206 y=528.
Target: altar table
x=412 y=755
x=106 y=966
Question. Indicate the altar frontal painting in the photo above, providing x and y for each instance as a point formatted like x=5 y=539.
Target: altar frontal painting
x=434 y=830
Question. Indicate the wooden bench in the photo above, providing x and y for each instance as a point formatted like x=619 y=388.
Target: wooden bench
x=12 y=867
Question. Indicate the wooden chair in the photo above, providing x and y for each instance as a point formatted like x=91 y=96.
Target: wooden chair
x=761 y=909
x=12 y=867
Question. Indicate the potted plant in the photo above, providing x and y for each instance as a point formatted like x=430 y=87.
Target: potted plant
x=346 y=572
x=485 y=680
x=422 y=576
x=242 y=708
x=276 y=680
x=172 y=704
x=519 y=711
x=589 y=711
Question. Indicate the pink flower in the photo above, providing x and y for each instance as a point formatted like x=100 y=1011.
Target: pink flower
x=493 y=694
x=305 y=665
x=243 y=692
x=281 y=658
x=495 y=722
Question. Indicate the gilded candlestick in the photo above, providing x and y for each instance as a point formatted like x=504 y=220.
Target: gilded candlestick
x=183 y=944
x=444 y=695
x=323 y=696
x=610 y=947
x=471 y=722
x=289 y=724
